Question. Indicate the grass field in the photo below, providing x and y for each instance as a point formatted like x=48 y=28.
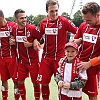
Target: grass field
x=53 y=89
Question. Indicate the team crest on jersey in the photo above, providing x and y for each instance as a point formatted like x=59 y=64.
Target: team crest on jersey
x=37 y=30
x=60 y=25
x=28 y=34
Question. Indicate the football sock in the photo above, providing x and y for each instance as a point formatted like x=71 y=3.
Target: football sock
x=45 y=92
x=37 y=92
x=5 y=95
x=22 y=91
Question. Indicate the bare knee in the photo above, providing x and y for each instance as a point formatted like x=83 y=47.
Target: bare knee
x=5 y=84
x=93 y=98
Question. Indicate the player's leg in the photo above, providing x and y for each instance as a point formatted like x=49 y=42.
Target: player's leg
x=4 y=78
x=22 y=75
x=92 y=90
x=44 y=77
x=13 y=70
x=33 y=69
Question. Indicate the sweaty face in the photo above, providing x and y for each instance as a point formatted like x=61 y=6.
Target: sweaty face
x=70 y=53
x=90 y=19
x=53 y=12
x=21 y=20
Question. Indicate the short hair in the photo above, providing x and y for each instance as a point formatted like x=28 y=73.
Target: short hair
x=1 y=14
x=17 y=12
x=51 y=2
x=91 y=7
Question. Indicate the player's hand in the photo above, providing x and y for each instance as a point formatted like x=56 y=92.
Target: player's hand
x=83 y=65
x=36 y=45
x=27 y=44
x=12 y=40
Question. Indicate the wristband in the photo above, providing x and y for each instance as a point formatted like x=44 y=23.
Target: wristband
x=94 y=61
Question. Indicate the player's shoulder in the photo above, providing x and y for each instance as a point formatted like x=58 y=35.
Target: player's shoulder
x=30 y=26
x=61 y=18
x=83 y=25
x=10 y=23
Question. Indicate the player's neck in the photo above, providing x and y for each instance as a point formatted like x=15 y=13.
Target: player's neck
x=21 y=27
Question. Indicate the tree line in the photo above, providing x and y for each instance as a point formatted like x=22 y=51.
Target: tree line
x=35 y=20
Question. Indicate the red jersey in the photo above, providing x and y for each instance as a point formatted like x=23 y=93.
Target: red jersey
x=55 y=36
x=26 y=55
x=6 y=49
x=91 y=41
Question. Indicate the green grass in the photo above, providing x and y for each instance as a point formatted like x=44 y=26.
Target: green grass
x=29 y=88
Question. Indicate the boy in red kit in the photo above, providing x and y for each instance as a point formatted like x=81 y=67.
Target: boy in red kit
x=69 y=79
x=53 y=28
x=28 y=60
x=89 y=34
x=8 y=66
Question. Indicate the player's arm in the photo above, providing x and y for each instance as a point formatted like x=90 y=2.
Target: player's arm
x=27 y=44
x=91 y=63
x=37 y=44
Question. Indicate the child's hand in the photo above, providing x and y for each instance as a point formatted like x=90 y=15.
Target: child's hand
x=60 y=84
x=66 y=85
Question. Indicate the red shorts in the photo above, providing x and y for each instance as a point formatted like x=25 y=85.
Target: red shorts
x=25 y=69
x=91 y=87
x=47 y=69
x=0 y=68
x=9 y=69
x=64 y=97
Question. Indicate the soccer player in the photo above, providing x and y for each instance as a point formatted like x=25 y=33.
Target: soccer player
x=89 y=34
x=28 y=61
x=53 y=29
x=8 y=66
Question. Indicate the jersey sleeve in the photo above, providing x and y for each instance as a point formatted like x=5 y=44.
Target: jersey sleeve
x=36 y=33
x=80 y=81
x=70 y=26
x=80 y=31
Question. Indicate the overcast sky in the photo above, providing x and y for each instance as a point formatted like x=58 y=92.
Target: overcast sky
x=36 y=7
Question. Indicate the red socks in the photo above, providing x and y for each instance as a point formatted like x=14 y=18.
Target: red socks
x=37 y=92
x=17 y=96
x=5 y=95
x=22 y=91
x=45 y=92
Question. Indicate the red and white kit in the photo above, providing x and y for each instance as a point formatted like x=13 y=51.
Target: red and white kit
x=90 y=48
x=8 y=54
x=28 y=57
x=55 y=39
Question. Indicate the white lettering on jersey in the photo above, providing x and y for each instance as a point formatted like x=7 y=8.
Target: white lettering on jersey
x=51 y=31
x=4 y=33
x=21 y=38
x=89 y=38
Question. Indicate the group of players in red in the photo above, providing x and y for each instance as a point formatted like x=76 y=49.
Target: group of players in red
x=20 y=42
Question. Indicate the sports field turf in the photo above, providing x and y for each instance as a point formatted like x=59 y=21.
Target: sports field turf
x=53 y=89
